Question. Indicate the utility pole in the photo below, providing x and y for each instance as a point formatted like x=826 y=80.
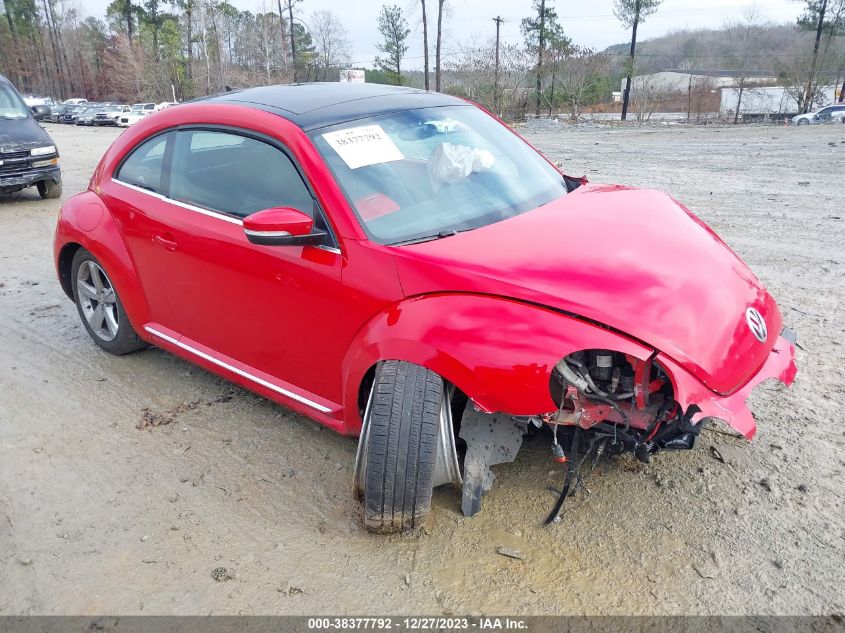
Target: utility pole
x=292 y=39
x=498 y=20
x=425 y=44
x=542 y=37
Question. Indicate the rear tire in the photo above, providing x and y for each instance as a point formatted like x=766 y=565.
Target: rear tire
x=100 y=307
x=400 y=435
x=49 y=190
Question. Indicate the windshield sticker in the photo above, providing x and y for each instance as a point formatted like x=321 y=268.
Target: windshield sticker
x=362 y=146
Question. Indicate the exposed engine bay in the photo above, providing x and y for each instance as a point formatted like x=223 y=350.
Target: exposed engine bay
x=608 y=402
x=616 y=403
x=631 y=399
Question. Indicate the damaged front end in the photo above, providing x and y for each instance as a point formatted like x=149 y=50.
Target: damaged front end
x=612 y=403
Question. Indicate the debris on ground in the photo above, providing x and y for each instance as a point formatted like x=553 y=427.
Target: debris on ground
x=221 y=574
x=510 y=553
x=149 y=418
x=716 y=454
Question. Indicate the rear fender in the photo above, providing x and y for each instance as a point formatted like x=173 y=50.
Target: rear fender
x=498 y=351
x=85 y=221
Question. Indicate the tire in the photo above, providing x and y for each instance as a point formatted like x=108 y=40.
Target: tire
x=803 y=122
x=49 y=190
x=401 y=431
x=92 y=290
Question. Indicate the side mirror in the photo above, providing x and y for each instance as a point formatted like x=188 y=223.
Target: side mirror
x=282 y=226
x=40 y=112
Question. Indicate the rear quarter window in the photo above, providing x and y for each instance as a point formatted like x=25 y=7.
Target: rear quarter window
x=144 y=166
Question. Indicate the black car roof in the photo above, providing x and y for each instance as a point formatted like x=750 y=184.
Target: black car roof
x=316 y=105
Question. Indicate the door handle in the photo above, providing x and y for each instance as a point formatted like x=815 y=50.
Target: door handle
x=166 y=241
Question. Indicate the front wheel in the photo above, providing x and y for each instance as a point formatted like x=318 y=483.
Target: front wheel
x=49 y=189
x=397 y=452
x=803 y=122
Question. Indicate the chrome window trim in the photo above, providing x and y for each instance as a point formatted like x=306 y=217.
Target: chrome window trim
x=184 y=205
x=239 y=372
x=211 y=214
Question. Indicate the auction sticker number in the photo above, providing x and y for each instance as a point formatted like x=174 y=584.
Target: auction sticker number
x=363 y=145
x=350 y=624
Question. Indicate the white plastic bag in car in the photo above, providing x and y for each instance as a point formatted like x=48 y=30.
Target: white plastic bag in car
x=450 y=164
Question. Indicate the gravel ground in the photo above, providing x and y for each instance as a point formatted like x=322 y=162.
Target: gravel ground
x=101 y=517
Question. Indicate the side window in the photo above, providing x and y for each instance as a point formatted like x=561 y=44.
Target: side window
x=234 y=174
x=144 y=166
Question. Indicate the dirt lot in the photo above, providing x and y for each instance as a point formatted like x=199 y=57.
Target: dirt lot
x=97 y=516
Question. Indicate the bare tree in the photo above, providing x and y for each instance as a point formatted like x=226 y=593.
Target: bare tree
x=581 y=69
x=631 y=13
x=742 y=60
x=646 y=97
x=691 y=51
x=331 y=41
x=289 y=4
x=475 y=65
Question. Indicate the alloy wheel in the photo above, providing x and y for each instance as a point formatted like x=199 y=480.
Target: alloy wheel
x=98 y=300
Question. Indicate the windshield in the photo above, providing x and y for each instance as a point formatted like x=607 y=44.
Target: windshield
x=423 y=174
x=11 y=105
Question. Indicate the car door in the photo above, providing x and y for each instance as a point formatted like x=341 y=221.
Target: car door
x=135 y=197
x=273 y=309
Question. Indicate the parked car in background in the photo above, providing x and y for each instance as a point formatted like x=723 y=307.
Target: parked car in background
x=137 y=112
x=115 y=111
x=71 y=112
x=28 y=156
x=74 y=101
x=824 y=115
x=102 y=115
x=57 y=112
x=88 y=115
x=165 y=104
x=95 y=115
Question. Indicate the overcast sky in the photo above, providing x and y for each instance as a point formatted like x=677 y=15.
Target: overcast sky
x=589 y=23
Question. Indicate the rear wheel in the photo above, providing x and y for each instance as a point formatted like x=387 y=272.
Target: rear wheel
x=100 y=308
x=803 y=122
x=398 y=447
x=49 y=189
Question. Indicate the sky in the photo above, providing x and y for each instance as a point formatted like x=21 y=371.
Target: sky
x=589 y=24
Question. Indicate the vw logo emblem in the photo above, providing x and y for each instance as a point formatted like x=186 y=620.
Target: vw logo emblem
x=757 y=324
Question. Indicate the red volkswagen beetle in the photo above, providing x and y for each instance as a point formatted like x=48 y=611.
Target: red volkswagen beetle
x=400 y=266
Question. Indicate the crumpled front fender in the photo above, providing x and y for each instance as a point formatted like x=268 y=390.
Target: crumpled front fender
x=499 y=352
x=780 y=364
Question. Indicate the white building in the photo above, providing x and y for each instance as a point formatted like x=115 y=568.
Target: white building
x=669 y=81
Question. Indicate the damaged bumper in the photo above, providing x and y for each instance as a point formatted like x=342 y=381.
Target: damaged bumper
x=22 y=179
x=780 y=365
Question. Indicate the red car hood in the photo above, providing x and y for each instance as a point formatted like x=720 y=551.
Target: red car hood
x=634 y=260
